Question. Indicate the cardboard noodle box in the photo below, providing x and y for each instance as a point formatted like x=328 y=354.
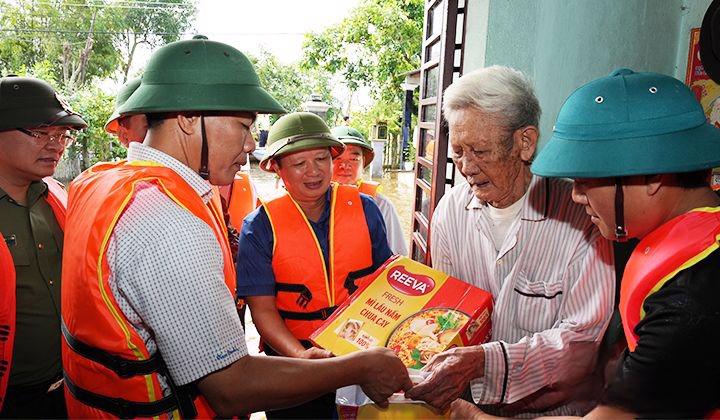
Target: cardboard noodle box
x=410 y=308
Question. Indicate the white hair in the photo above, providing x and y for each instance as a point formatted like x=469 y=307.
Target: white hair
x=499 y=90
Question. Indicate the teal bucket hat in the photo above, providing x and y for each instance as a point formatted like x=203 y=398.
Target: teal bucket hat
x=627 y=124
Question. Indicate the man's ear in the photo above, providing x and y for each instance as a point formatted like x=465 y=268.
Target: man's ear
x=528 y=137
x=274 y=165
x=188 y=123
x=654 y=182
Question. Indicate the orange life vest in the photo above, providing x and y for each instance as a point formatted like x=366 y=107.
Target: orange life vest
x=676 y=245
x=242 y=199
x=216 y=207
x=57 y=199
x=308 y=287
x=108 y=369
x=370 y=188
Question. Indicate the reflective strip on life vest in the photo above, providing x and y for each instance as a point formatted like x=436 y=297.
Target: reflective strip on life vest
x=675 y=246
x=298 y=261
x=98 y=199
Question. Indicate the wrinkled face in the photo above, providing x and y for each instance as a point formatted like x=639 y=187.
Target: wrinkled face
x=28 y=157
x=306 y=174
x=480 y=150
x=229 y=142
x=132 y=128
x=348 y=167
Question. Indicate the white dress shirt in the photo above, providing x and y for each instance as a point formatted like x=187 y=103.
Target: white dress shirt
x=395 y=235
x=553 y=287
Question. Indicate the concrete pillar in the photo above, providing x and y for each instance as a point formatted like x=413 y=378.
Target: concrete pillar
x=376 y=167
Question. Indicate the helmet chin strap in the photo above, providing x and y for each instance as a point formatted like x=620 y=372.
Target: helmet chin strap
x=620 y=232
x=204 y=172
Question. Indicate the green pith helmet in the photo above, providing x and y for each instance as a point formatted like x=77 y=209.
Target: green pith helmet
x=299 y=131
x=629 y=124
x=26 y=102
x=349 y=135
x=199 y=75
x=111 y=126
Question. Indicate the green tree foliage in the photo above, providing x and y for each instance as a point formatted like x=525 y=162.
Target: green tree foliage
x=72 y=43
x=292 y=85
x=284 y=82
x=94 y=144
x=374 y=46
x=363 y=120
x=76 y=41
x=156 y=24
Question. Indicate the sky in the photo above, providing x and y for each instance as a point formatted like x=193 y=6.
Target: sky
x=277 y=26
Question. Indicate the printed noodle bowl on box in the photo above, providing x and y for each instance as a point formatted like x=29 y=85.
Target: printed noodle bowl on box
x=424 y=334
x=410 y=308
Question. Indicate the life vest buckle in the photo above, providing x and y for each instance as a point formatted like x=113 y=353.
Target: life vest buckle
x=125 y=410
x=320 y=314
x=304 y=298
x=305 y=295
x=123 y=369
x=4 y=332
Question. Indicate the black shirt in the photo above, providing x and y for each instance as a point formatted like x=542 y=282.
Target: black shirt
x=675 y=369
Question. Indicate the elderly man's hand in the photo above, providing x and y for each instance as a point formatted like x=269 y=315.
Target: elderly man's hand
x=450 y=373
x=384 y=375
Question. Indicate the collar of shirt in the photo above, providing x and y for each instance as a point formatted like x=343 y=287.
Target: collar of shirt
x=139 y=151
x=535 y=206
x=325 y=216
x=36 y=190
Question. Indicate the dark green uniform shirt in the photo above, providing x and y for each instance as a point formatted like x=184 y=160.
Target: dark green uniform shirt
x=35 y=241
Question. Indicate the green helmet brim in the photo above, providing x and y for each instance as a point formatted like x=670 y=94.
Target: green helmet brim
x=287 y=146
x=26 y=102
x=112 y=125
x=70 y=120
x=368 y=152
x=51 y=117
x=688 y=150
x=158 y=98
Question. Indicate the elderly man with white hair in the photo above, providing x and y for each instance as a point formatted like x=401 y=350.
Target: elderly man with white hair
x=522 y=238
